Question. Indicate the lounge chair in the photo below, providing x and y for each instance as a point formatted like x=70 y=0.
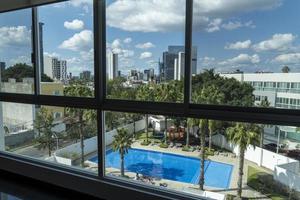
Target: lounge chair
x=163 y=184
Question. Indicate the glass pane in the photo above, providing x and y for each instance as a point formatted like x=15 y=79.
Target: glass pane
x=145 y=56
x=16 y=70
x=245 y=59
x=167 y=152
x=64 y=136
x=66 y=48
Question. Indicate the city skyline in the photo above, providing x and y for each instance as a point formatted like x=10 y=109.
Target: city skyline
x=241 y=37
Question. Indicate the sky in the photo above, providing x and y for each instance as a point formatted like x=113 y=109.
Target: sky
x=256 y=35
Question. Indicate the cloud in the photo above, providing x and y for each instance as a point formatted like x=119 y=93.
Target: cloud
x=143 y=15
x=79 y=41
x=146 y=45
x=78 y=3
x=53 y=54
x=242 y=59
x=145 y=55
x=74 y=25
x=290 y=58
x=239 y=45
x=278 y=42
x=127 y=40
x=237 y=24
x=117 y=47
x=15 y=36
x=214 y=25
x=207 y=61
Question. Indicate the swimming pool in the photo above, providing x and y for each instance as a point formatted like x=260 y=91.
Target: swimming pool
x=171 y=167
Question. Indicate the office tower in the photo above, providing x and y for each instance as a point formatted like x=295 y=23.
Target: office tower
x=2 y=68
x=55 y=68
x=174 y=52
x=85 y=75
x=112 y=65
x=41 y=47
x=119 y=73
x=151 y=73
x=146 y=76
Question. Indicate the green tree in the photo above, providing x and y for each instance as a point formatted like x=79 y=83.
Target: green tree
x=285 y=69
x=44 y=124
x=20 y=71
x=80 y=118
x=243 y=135
x=122 y=143
x=146 y=93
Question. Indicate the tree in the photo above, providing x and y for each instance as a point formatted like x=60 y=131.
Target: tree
x=134 y=117
x=285 y=69
x=122 y=143
x=20 y=71
x=146 y=93
x=213 y=125
x=243 y=135
x=44 y=123
x=80 y=118
x=203 y=127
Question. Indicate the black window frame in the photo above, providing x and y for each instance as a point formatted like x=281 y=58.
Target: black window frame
x=101 y=185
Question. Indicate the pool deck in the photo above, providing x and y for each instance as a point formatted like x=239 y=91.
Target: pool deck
x=179 y=186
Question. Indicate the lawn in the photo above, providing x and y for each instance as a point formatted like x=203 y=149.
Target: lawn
x=264 y=183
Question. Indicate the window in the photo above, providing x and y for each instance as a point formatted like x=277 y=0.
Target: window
x=237 y=46
x=165 y=152
x=16 y=69
x=68 y=58
x=133 y=99
x=44 y=133
x=145 y=58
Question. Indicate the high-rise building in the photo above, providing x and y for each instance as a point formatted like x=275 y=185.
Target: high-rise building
x=2 y=68
x=169 y=61
x=41 y=47
x=55 y=68
x=86 y=75
x=179 y=66
x=112 y=65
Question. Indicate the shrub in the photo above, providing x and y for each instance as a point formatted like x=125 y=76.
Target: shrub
x=163 y=145
x=186 y=148
x=145 y=143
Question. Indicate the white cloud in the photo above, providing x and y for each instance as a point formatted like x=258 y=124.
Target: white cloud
x=145 y=55
x=214 y=25
x=74 y=25
x=146 y=45
x=78 y=3
x=239 y=45
x=53 y=54
x=87 y=55
x=278 y=42
x=162 y=16
x=290 y=58
x=242 y=59
x=207 y=61
x=79 y=41
x=117 y=47
x=127 y=40
x=237 y=24
x=15 y=36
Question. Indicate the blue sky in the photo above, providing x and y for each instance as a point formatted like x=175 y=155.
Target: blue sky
x=257 y=35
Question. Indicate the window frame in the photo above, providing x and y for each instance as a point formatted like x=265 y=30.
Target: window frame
x=73 y=179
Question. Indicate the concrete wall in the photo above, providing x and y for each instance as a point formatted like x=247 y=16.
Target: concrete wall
x=17 y=139
x=257 y=155
x=90 y=145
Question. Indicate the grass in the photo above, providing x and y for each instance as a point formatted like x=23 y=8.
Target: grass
x=264 y=183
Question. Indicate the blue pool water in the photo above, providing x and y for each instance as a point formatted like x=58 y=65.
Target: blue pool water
x=171 y=167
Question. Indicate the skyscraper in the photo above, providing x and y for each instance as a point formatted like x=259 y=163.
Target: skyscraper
x=112 y=65
x=86 y=75
x=55 y=68
x=179 y=66
x=169 y=61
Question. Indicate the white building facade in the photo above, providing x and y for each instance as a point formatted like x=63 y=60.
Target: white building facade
x=55 y=68
x=282 y=90
x=112 y=65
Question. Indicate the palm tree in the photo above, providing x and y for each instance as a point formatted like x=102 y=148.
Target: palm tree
x=203 y=127
x=122 y=143
x=213 y=125
x=191 y=123
x=285 y=69
x=80 y=117
x=243 y=135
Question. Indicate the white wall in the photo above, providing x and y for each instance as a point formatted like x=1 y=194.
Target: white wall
x=91 y=144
